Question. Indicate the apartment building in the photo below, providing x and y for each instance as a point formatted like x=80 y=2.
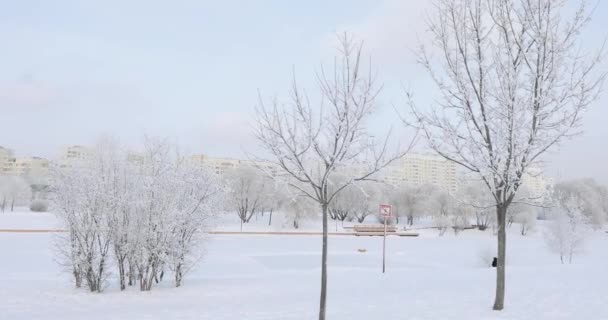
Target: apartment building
x=223 y=165
x=36 y=169
x=5 y=156
x=414 y=169
x=419 y=169
x=30 y=166
x=218 y=165
x=75 y=152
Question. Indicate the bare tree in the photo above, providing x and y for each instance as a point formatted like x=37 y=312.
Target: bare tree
x=310 y=144
x=247 y=192
x=513 y=84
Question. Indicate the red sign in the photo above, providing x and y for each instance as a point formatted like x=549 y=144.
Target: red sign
x=386 y=210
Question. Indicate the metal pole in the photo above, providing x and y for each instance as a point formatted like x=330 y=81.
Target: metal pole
x=384 y=248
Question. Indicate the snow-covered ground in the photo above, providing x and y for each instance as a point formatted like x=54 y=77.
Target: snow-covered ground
x=277 y=277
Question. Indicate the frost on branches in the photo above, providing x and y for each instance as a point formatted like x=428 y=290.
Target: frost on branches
x=569 y=226
x=139 y=214
x=513 y=83
x=311 y=142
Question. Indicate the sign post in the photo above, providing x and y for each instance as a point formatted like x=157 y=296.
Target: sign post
x=385 y=212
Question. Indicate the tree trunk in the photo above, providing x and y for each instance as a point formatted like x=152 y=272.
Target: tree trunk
x=13 y=204
x=323 y=298
x=501 y=213
x=178 y=275
x=270 y=218
x=77 y=277
x=122 y=273
x=132 y=274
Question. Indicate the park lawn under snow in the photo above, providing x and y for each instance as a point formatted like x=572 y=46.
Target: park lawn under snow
x=277 y=277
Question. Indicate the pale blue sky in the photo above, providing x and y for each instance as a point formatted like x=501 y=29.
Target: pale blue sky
x=72 y=70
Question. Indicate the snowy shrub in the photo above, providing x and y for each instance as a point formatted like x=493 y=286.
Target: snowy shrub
x=39 y=206
x=297 y=208
x=526 y=220
x=565 y=235
x=14 y=191
x=443 y=223
x=460 y=218
x=149 y=210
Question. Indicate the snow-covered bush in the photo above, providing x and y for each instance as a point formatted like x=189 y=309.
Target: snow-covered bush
x=297 y=208
x=246 y=193
x=443 y=223
x=39 y=206
x=593 y=198
x=527 y=221
x=149 y=210
x=81 y=203
x=460 y=217
x=568 y=229
x=14 y=190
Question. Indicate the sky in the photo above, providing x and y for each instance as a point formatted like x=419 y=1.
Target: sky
x=71 y=71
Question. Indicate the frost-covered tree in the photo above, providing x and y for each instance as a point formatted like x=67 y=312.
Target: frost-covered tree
x=83 y=201
x=371 y=195
x=311 y=143
x=593 y=197
x=198 y=194
x=247 y=192
x=297 y=208
x=149 y=210
x=569 y=227
x=475 y=194
x=513 y=83
x=412 y=201
x=442 y=206
x=527 y=220
x=13 y=190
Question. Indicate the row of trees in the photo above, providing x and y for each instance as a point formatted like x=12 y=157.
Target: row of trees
x=139 y=215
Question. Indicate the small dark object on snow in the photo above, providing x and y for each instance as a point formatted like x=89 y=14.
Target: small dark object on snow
x=494 y=262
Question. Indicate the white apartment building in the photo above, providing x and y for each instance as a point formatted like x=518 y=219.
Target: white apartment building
x=75 y=153
x=5 y=155
x=218 y=165
x=419 y=169
x=413 y=169
x=223 y=165
x=30 y=166
x=36 y=169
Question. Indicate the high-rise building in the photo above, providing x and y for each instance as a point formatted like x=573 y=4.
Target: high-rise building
x=419 y=169
x=5 y=156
